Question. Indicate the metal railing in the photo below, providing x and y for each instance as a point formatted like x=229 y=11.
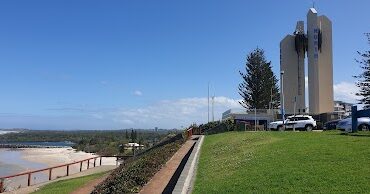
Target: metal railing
x=50 y=169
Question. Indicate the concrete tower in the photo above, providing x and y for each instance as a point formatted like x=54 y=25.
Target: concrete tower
x=292 y=54
x=318 y=45
x=320 y=63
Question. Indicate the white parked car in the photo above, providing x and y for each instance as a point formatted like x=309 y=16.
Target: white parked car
x=305 y=122
x=363 y=124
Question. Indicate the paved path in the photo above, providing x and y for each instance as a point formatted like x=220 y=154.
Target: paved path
x=160 y=180
x=185 y=184
x=90 y=171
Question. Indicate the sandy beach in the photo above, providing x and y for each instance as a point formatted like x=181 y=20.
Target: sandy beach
x=53 y=156
x=49 y=157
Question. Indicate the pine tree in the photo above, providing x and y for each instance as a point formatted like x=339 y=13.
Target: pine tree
x=132 y=135
x=122 y=148
x=127 y=134
x=135 y=135
x=364 y=77
x=259 y=84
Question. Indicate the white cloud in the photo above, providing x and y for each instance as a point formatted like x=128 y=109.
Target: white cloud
x=137 y=93
x=174 y=113
x=343 y=91
x=184 y=111
x=164 y=114
x=346 y=91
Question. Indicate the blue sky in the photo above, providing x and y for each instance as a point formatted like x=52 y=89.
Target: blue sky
x=122 y=64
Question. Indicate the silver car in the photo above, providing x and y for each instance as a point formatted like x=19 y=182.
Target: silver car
x=363 y=124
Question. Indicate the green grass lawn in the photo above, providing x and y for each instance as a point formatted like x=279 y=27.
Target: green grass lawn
x=67 y=186
x=284 y=162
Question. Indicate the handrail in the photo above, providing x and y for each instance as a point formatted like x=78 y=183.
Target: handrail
x=29 y=173
x=44 y=169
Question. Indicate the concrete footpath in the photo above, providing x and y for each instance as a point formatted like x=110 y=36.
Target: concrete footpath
x=177 y=175
x=185 y=183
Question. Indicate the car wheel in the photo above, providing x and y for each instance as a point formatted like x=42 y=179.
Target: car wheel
x=280 y=128
x=364 y=127
x=308 y=127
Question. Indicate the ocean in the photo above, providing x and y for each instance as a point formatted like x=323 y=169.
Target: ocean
x=3 y=132
x=45 y=144
x=11 y=161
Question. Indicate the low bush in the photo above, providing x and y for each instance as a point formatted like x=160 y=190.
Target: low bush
x=221 y=127
x=136 y=172
x=207 y=126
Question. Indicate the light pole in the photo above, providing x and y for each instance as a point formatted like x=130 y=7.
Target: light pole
x=213 y=111
x=271 y=108
x=282 y=96
x=294 y=105
x=208 y=102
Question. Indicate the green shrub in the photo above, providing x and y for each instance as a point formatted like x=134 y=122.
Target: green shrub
x=208 y=126
x=221 y=127
x=136 y=172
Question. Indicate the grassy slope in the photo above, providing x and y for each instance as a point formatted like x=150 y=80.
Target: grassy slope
x=273 y=162
x=67 y=186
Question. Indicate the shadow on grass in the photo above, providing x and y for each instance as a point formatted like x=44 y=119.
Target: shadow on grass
x=355 y=134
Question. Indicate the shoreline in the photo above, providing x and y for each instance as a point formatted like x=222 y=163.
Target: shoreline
x=53 y=156
x=30 y=159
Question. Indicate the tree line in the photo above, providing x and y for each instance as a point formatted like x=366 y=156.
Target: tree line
x=105 y=142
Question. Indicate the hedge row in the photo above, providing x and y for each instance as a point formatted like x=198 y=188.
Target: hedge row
x=222 y=127
x=132 y=176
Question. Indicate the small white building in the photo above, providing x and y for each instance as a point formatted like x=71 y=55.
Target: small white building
x=131 y=145
x=259 y=116
x=343 y=109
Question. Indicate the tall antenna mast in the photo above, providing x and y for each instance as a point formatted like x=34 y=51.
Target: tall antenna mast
x=208 y=102
x=213 y=104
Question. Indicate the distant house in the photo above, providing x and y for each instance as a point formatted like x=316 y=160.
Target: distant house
x=131 y=145
x=343 y=109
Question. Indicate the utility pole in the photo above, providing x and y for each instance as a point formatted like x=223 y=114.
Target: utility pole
x=208 y=102
x=295 y=102
x=255 y=119
x=270 y=104
x=213 y=111
x=271 y=108
x=213 y=104
x=282 y=96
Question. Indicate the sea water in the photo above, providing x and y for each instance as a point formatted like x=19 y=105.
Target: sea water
x=11 y=162
x=44 y=144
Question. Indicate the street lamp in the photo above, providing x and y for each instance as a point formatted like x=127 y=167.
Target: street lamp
x=208 y=102
x=282 y=96
x=294 y=105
